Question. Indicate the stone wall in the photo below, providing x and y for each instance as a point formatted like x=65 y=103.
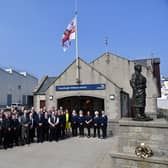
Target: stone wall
x=131 y=133
x=130 y=161
x=153 y=133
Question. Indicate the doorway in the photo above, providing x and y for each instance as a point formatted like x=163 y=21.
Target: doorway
x=85 y=103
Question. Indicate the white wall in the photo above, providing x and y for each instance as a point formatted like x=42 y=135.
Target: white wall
x=9 y=84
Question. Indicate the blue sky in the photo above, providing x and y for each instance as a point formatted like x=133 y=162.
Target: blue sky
x=31 y=31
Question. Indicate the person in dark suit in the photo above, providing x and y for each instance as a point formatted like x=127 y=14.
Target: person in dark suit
x=96 y=124
x=40 y=126
x=15 y=130
x=81 y=122
x=103 y=124
x=32 y=124
x=62 y=121
x=88 y=122
x=53 y=123
x=59 y=124
x=7 y=131
x=1 y=130
x=74 y=123
x=24 y=120
x=34 y=114
x=46 y=126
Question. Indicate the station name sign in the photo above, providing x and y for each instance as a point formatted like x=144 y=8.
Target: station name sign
x=81 y=87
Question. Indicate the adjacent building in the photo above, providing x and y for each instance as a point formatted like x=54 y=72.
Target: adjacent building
x=104 y=85
x=16 y=87
x=164 y=87
x=163 y=100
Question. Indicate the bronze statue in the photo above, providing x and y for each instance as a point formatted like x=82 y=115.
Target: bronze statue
x=138 y=84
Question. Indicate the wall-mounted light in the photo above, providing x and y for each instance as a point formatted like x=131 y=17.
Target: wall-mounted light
x=112 y=97
x=50 y=97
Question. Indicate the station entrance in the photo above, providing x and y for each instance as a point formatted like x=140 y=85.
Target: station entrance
x=85 y=103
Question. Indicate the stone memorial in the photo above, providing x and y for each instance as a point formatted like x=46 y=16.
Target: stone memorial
x=138 y=84
x=142 y=142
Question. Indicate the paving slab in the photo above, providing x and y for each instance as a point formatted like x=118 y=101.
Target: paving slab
x=69 y=153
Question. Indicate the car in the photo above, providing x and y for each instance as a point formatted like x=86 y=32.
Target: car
x=17 y=106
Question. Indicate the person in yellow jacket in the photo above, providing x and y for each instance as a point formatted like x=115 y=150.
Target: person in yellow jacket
x=68 y=123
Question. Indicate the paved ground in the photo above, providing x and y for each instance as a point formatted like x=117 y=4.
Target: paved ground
x=70 y=153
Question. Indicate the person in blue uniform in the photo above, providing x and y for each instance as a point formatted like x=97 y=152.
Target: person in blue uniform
x=103 y=124
x=81 y=122
x=96 y=124
x=88 y=122
x=74 y=123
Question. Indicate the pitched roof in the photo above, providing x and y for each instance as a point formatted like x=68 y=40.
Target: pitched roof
x=90 y=67
x=44 y=85
x=109 y=54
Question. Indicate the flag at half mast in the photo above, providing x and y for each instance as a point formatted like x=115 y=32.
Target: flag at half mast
x=69 y=34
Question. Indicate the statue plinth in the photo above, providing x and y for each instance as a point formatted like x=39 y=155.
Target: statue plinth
x=142 y=118
x=132 y=133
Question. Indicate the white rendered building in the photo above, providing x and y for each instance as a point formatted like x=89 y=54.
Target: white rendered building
x=16 y=87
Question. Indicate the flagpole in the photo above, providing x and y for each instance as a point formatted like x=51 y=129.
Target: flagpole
x=76 y=45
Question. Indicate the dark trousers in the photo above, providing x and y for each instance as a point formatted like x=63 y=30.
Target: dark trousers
x=104 y=131
x=1 y=135
x=46 y=132
x=40 y=136
x=59 y=131
x=53 y=133
x=88 y=129
x=15 y=136
x=96 y=129
x=74 y=130
x=81 y=129
x=20 y=134
x=31 y=134
x=7 y=138
x=25 y=135
x=62 y=131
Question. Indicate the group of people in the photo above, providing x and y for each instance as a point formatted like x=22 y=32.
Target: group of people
x=24 y=127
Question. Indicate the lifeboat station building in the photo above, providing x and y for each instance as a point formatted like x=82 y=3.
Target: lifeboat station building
x=104 y=85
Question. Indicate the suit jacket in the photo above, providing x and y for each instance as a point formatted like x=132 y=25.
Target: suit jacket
x=32 y=123
x=16 y=123
x=7 y=123
x=40 y=118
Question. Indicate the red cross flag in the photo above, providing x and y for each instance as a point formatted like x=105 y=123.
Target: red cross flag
x=69 y=34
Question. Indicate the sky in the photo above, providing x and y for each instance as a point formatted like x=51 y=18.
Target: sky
x=31 y=32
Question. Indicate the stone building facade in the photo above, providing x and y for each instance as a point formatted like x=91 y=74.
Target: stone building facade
x=104 y=85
